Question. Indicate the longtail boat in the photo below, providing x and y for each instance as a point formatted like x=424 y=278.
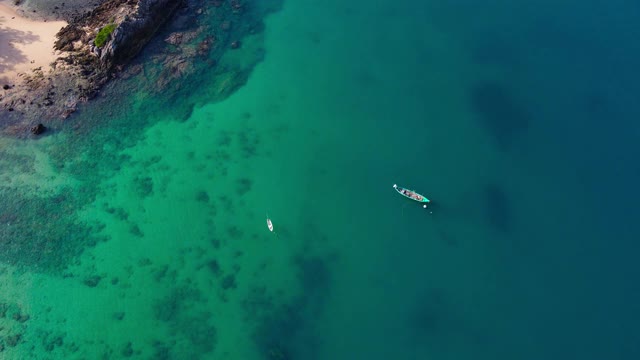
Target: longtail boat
x=412 y=195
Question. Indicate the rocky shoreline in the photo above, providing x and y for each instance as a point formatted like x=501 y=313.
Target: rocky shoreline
x=202 y=55
x=82 y=68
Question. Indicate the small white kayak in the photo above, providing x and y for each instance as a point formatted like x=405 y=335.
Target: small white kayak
x=269 y=224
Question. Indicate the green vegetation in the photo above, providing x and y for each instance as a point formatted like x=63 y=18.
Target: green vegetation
x=103 y=35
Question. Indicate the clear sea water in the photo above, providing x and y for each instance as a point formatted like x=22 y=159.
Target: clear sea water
x=517 y=118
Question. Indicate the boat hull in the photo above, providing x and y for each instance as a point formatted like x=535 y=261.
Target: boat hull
x=408 y=194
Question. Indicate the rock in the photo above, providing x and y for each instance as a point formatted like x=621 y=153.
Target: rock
x=118 y=315
x=67 y=36
x=95 y=50
x=20 y=317
x=131 y=71
x=214 y=267
x=228 y=282
x=50 y=343
x=92 y=281
x=205 y=45
x=38 y=129
x=136 y=30
x=174 y=39
x=128 y=350
x=225 y=25
x=66 y=113
x=189 y=36
x=13 y=340
x=237 y=6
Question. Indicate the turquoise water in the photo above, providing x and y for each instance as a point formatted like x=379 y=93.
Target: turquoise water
x=146 y=212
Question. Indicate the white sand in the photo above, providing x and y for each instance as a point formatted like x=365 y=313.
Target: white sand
x=24 y=44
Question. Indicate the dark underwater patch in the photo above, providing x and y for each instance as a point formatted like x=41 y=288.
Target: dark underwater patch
x=287 y=331
x=214 y=267
x=179 y=309
x=226 y=203
x=498 y=207
x=160 y=273
x=248 y=141
x=161 y=351
x=313 y=275
x=143 y=186
x=134 y=230
x=127 y=350
x=243 y=186
x=500 y=112
x=223 y=138
x=202 y=196
x=228 y=282
x=436 y=321
x=119 y=212
x=235 y=232
x=52 y=340
x=44 y=234
x=428 y=317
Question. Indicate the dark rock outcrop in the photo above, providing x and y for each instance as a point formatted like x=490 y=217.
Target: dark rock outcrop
x=135 y=31
x=38 y=129
x=92 y=281
x=83 y=68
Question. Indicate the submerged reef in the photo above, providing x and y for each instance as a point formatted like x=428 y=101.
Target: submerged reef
x=287 y=330
x=500 y=112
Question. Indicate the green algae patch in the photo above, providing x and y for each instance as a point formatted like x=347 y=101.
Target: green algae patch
x=103 y=35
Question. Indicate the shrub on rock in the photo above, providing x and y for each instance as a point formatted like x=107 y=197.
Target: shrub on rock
x=103 y=35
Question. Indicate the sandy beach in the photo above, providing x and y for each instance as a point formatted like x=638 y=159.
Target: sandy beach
x=25 y=44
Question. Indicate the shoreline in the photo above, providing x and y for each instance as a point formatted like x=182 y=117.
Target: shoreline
x=78 y=68
x=42 y=98
x=25 y=44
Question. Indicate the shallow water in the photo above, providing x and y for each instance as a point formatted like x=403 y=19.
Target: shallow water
x=148 y=225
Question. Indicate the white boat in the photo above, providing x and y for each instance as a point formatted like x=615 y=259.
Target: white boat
x=269 y=224
x=410 y=194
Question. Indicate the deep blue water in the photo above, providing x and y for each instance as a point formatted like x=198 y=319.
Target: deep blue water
x=565 y=70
